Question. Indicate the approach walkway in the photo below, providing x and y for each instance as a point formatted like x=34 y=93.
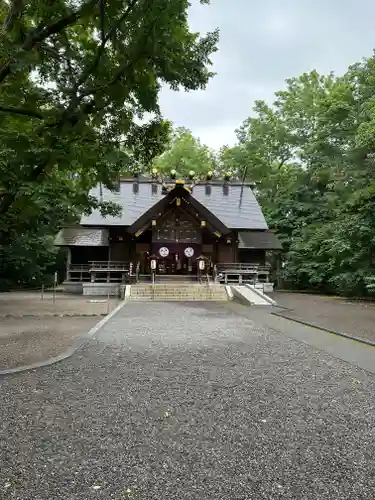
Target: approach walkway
x=193 y=400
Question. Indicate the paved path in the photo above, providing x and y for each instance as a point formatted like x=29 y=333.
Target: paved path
x=352 y=317
x=191 y=401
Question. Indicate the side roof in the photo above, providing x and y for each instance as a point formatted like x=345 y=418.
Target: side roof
x=235 y=205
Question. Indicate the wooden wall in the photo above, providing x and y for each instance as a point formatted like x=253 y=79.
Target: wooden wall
x=225 y=253
x=121 y=243
x=250 y=256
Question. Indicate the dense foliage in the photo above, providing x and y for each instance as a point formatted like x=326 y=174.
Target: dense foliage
x=311 y=156
x=184 y=154
x=77 y=80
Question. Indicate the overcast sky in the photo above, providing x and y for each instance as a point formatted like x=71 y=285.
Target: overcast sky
x=263 y=42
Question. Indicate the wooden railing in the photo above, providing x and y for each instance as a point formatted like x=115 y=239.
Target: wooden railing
x=98 y=271
x=242 y=272
x=103 y=265
x=79 y=267
x=241 y=266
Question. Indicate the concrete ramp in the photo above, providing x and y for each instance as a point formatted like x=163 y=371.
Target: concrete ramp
x=263 y=295
x=250 y=296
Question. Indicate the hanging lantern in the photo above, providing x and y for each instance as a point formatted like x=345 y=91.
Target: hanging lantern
x=201 y=262
x=178 y=202
x=153 y=262
x=203 y=223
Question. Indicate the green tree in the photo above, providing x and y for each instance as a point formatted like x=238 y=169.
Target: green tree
x=76 y=80
x=311 y=158
x=186 y=153
x=82 y=74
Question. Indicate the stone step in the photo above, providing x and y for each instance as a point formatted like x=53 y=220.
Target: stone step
x=178 y=287
x=188 y=288
x=216 y=296
x=179 y=295
x=179 y=292
x=182 y=290
x=178 y=299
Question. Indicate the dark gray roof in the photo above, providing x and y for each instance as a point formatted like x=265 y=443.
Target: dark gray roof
x=238 y=209
x=82 y=237
x=265 y=240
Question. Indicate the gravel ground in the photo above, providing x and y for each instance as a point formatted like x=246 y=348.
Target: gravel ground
x=33 y=330
x=24 y=341
x=354 y=318
x=30 y=304
x=189 y=401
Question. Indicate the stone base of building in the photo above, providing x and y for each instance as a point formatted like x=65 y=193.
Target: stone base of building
x=101 y=289
x=264 y=287
x=72 y=287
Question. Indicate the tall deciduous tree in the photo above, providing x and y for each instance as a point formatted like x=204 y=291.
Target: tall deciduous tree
x=77 y=79
x=311 y=156
x=186 y=153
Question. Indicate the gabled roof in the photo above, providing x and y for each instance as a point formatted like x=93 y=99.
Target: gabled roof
x=189 y=202
x=235 y=205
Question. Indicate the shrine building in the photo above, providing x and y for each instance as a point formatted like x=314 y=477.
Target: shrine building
x=177 y=223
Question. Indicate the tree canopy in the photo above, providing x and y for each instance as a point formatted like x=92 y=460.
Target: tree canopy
x=185 y=153
x=77 y=81
x=311 y=156
x=79 y=87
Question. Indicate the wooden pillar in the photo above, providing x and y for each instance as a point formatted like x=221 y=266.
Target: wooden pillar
x=279 y=281
x=68 y=263
x=235 y=247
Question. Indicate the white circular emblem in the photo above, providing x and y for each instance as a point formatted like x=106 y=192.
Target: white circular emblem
x=164 y=252
x=189 y=252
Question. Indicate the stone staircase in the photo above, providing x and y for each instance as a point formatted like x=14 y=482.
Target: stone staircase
x=178 y=292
